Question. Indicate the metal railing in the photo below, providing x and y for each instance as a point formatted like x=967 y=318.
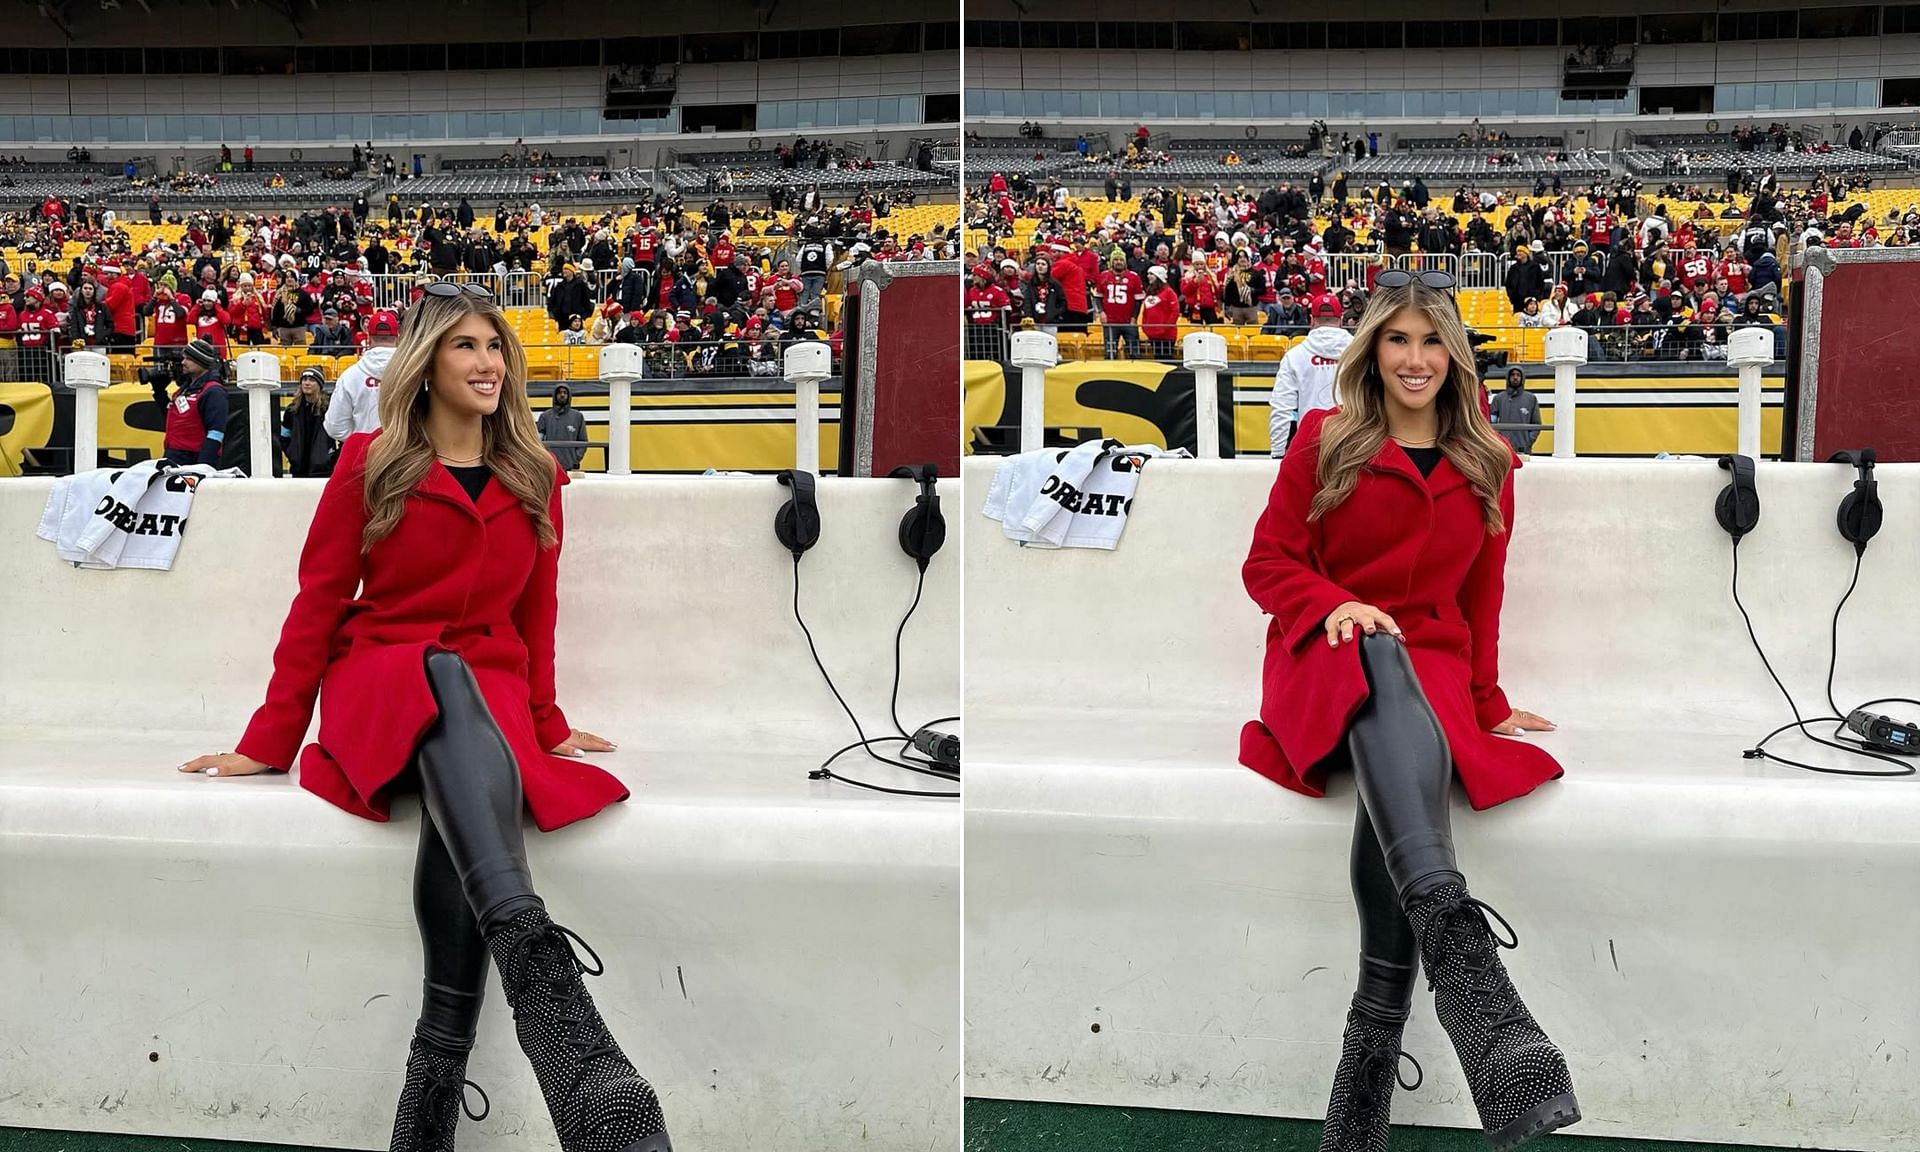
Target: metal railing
x=1268 y=341
x=803 y=365
x=1205 y=354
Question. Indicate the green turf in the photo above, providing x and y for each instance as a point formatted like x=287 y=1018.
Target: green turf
x=1022 y=1126
x=1009 y=1126
x=43 y=1140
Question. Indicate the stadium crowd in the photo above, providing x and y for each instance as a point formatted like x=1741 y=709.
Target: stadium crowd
x=660 y=273
x=1666 y=276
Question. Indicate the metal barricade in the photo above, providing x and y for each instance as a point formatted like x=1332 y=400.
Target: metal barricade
x=522 y=290
x=1430 y=262
x=1346 y=268
x=1616 y=344
x=1481 y=270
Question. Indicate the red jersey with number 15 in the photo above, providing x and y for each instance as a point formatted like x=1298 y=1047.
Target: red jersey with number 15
x=1120 y=295
x=986 y=305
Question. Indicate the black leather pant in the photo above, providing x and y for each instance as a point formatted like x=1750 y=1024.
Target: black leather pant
x=1403 y=837
x=471 y=875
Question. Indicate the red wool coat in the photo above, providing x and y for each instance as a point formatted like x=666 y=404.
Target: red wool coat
x=454 y=575
x=1416 y=548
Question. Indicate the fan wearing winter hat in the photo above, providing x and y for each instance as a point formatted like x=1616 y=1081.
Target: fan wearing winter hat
x=197 y=409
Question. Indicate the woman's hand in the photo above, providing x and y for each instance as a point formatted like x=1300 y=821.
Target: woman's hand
x=1343 y=620
x=578 y=742
x=225 y=764
x=1522 y=722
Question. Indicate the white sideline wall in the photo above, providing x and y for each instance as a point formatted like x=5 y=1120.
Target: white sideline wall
x=238 y=959
x=1722 y=946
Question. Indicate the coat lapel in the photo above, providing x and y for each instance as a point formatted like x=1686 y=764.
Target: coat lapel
x=439 y=484
x=494 y=498
x=1393 y=459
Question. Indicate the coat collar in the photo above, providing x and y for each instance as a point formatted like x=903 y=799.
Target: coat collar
x=1394 y=459
x=441 y=485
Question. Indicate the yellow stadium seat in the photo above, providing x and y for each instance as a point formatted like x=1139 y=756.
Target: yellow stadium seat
x=1078 y=346
x=1264 y=347
x=545 y=361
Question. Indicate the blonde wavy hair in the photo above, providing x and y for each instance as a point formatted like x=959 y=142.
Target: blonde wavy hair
x=401 y=455
x=1352 y=436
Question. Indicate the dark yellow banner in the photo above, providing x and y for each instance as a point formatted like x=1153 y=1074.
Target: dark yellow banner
x=671 y=432
x=1147 y=402
x=26 y=422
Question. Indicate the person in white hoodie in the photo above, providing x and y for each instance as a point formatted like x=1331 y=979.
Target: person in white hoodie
x=355 y=406
x=1305 y=379
x=1556 y=309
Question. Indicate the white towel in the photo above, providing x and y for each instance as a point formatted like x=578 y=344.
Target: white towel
x=1069 y=498
x=123 y=517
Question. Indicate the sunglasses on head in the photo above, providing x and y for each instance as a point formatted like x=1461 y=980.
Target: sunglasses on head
x=449 y=288
x=1400 y=278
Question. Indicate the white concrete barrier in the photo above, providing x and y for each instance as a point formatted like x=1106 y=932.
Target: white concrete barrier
x=238 y=959
x=1724 y=947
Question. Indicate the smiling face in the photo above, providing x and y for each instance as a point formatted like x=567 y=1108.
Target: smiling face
x=468 y=367
x=1413 y=363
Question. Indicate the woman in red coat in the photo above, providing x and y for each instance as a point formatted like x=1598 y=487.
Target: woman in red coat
x=438 y=675
x=1381 y=558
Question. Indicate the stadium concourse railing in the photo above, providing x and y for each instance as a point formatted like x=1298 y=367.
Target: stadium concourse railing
x=1625 y=343
x=1207 y=353
x=511 y=289
x=802 y=365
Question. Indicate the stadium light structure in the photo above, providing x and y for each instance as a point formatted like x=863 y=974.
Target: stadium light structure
x=1749 y=350
x=1566 y=351
x=620 y=366
x=1205 y=355
x=807 y=364
x=258 y=374
x=88 y=373
x=1034 y=353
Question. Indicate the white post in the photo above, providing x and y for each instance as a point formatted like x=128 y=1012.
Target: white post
x=807 y=364
x=1205 y=354
x=87 y=374
x=620 y=366
x=1034 y=353
x=1749 y=350
x=1566 y=351
x=258 y=374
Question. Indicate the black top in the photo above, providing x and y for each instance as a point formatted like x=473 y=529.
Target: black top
x=1425 y=459
x=472 y=477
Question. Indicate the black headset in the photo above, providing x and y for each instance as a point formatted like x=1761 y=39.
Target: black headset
x=1738 y=511
x=922 y=532
x=1860 y=514
x=923 y=529
x=797 y=524
x=1738 y=508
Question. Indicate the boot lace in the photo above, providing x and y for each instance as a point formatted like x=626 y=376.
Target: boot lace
x=1376 y=1073
x=442 y=1084
x=545 y=959
x=1464 y=933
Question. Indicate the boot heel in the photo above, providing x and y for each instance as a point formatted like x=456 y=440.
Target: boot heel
x=1548 y=1116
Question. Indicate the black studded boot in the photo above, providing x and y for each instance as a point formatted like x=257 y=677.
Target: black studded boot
x=432 y=1098
x=1363 y=1085
x=1519 y=1078
x=597 y=1100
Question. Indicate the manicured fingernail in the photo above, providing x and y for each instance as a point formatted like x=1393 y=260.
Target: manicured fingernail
x=213 y=771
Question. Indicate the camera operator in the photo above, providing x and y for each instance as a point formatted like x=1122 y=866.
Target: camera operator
x=197 y=410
